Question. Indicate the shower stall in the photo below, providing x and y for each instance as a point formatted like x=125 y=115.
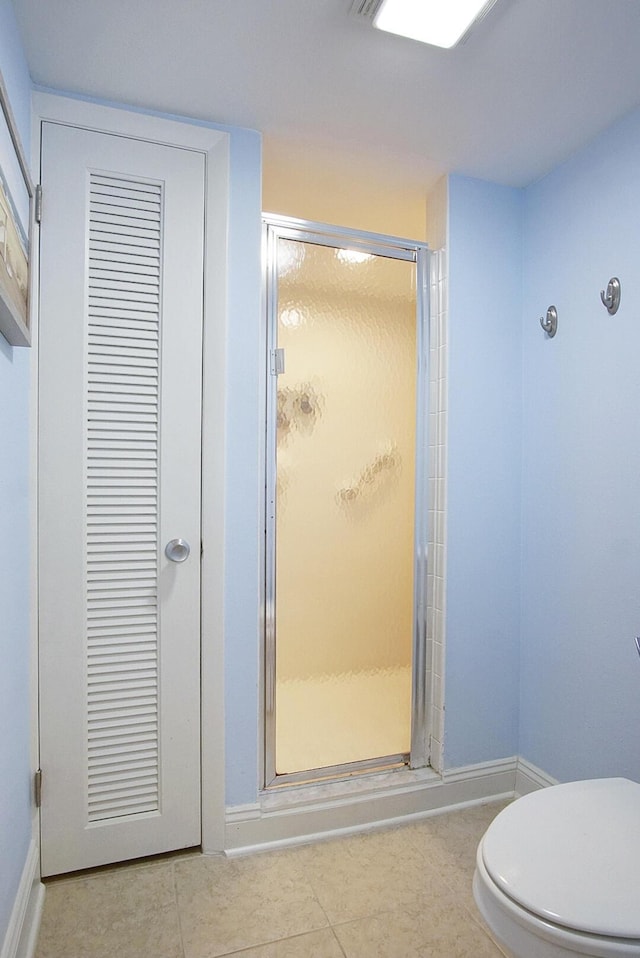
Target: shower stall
x=346 y=502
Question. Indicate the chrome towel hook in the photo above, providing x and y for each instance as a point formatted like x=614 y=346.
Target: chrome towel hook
x=550 y=322
x=611 y=299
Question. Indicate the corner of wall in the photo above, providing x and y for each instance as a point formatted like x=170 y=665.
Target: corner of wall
x=437 y=213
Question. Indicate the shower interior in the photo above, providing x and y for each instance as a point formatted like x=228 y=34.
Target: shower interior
x=346 y=534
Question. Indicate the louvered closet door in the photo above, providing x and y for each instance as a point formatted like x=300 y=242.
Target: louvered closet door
x=120 y=403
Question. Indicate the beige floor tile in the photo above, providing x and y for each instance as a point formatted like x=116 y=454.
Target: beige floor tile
x=128 y=913
x=440 y=931
x=459 y=878
x=226 y=905
x=362 y=876
x=472 y=821
x=402 y=891
x=449 y=843
x=454 y=836
x=317 y=944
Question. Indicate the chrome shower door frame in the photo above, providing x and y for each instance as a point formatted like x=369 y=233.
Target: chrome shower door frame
x=283 y=227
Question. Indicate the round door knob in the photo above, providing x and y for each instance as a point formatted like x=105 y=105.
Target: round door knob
x=177 y=550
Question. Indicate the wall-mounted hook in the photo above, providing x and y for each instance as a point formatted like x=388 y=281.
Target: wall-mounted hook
x=611 y=299
x=550 y=322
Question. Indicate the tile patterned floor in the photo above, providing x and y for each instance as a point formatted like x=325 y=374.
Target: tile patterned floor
x=403 y=892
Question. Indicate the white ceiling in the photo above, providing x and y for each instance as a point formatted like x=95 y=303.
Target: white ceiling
x=535 y=81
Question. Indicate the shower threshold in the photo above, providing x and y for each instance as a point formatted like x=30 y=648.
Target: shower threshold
x=333 y=773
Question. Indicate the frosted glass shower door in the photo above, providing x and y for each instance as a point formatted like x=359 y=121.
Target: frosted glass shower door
x=343 y=364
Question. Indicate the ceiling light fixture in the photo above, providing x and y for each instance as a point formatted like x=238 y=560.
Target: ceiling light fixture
x=442 y=23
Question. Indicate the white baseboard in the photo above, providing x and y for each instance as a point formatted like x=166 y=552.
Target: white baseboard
x=24 y=923
x=307 y=813
x=529 y=778
x=483 y=770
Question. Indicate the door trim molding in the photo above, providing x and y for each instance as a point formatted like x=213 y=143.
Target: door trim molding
x=215 y=145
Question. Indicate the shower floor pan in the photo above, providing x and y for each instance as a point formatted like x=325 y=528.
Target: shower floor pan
x=336 y=720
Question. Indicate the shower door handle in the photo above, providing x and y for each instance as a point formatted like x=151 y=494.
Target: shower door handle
x=177 y=550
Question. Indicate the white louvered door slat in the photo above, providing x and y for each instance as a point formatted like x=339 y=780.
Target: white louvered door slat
x=120 y=337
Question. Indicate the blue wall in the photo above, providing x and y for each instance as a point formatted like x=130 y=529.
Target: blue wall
x=484 y=451
x=15 y=772
x=544 y=468
x=580 y=679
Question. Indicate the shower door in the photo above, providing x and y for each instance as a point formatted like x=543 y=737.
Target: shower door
x=345 y=650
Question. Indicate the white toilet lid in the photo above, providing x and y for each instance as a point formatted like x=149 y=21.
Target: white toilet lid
x=571 y=854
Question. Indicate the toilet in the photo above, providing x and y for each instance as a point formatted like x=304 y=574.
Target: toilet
x=558 y=872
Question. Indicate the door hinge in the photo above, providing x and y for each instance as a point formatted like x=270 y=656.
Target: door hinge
x=277 y=362
x=37 y=788
x=37 y=206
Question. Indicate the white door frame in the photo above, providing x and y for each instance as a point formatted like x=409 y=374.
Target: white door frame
x=214 y=144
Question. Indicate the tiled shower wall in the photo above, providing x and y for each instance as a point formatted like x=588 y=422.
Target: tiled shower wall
x=437 y=499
